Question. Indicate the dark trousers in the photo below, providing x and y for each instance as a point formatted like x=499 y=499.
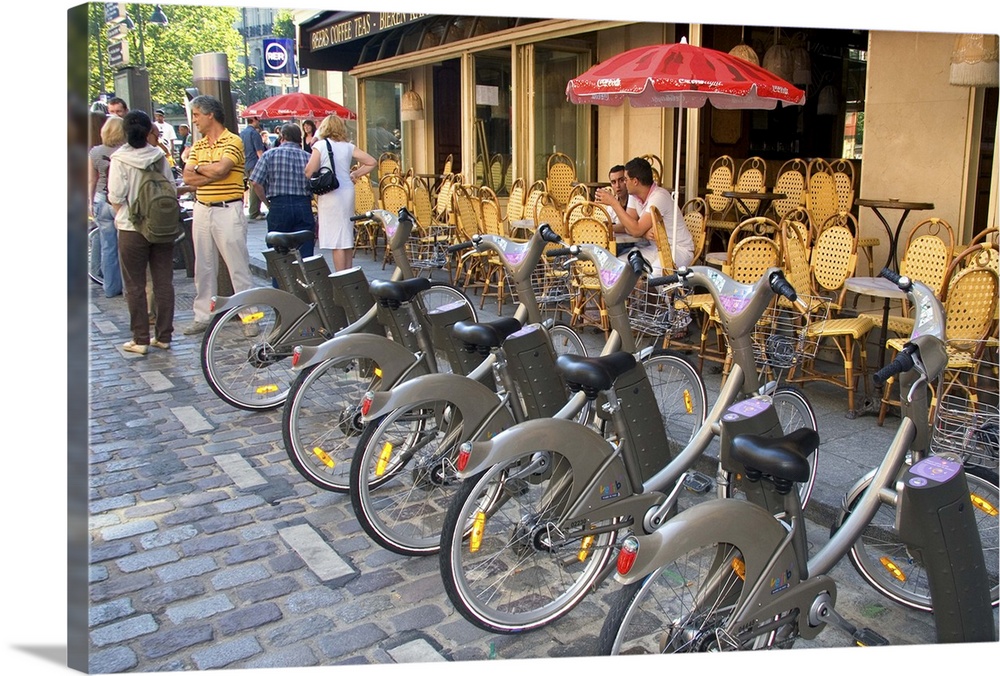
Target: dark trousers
x=290 y=213
x=135 y=254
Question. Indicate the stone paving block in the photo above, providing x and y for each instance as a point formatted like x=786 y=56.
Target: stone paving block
x=153 y=509
x=250 y=551
x=191 y=515
x=108 y=504
x=123 y=631
x=112 y=661
x=148 y=559
x=374 y=581
x=312 y=599
x=217 y=524
x=415 y=651
x=170 y=641
x=157 y=598
x=201 y=497
x=289 y=633
x=199 y=609
x=186 y=568
x=120 y=586
x=112 y=550
x=351 y=640
x=295 y=656
x=238 y=504
x=192 y=420
x=157 y=381
x=252 y=617
x=96 y=573
x=317 y=554
x=112 y=610
x=418 y=618
x=101 y=521
x=170 y=536
x=268 y=589
x=223 y=654
x=286 y=563
x=239 y=470
x=240 y=575
x=209 y=543
x=362 y=607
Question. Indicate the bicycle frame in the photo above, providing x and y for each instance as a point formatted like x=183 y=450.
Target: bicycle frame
x=780 y=581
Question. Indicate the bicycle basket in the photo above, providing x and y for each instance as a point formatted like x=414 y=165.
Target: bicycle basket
x=781 y=337
x=550 y=284
x=429 y=249
x=656 y=311
x=966 y=413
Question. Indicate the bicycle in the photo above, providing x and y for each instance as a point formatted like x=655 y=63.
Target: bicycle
x=730 y=574
x=574 y=490
x=246 y=351
x=94 y=271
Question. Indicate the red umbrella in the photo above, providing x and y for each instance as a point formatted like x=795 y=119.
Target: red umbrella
x=680 y=75
x=297 y=105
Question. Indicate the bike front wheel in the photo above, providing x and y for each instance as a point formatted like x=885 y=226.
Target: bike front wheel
x=94 y=256
x=678 y=608
x=889 y=566
x=402 y=476
x=509 y=561
x=680 y=396
x=242 y=360
x=321 y=420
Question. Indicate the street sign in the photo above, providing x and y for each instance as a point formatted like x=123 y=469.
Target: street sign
x=114 y=11
x=117 y=31
x=118 y=54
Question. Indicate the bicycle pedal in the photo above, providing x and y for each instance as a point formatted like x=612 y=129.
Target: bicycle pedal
x=869 y=638
x=697 y=482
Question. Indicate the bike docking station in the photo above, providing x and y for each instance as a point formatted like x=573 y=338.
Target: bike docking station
x=936 y=520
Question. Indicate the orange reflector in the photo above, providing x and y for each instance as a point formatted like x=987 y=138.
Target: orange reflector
x=267 y=389
x=893 y=569
x=464 y=451
x=366 y=402
x=255 y=317
x=478 y=526
x=378 y=372
x=627 y=554
x=324 y=458
x=383 y=459
x=740 y=568
x=688 y=404
x=983 y=505
x=585 y=548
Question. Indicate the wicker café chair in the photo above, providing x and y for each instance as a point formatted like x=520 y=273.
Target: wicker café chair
x=970 y=293
x=443 y=205
x=587 y=209
x=657 y=166
x=832 y=261
x=366 y=233
x=494 y=282
x=752 y=178
x=821 y=191
x=426 y=248
x=560 y=175
x=585 y=283
x=791 y=182
x=929 y=251
x=695 y=212
x=388 y=163
x=721 y=177
x=534 y=194
x=496 y=173
x=393 y=196
x=515 y=201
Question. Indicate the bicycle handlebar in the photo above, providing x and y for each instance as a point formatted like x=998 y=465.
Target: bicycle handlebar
x=548 y=234
x=460 y=246
x=367 y=216
x=561 y=251
x=902 y=362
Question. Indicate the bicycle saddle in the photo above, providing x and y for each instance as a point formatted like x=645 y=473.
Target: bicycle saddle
x=783 y=458
x=283 y=242
x=392 y=293
x=593 y=374
x=483 y=336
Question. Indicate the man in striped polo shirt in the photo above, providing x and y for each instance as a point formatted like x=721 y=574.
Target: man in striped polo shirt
x=215 y=169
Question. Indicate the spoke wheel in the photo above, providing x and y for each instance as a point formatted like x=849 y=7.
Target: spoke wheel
x=94 y=256
x=680 y=395
x=508 y=562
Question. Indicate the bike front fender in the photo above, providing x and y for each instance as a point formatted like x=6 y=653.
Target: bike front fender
x=392 y=358
x=753 y=529
x=288 y=306
x=479 y=405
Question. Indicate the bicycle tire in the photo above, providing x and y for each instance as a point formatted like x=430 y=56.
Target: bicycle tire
x=879 y=540
x=321 y=420
x=439 y=295
x=678 y=607
x=680 y=395
x=512 y=583
x=94 y=256
x=565 y=340
x=794 y=412
x=246 y=371
x=402 y=476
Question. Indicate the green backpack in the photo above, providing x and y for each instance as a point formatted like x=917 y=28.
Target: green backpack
x=155 y=213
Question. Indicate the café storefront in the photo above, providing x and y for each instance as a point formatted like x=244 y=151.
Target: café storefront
x=490 y=93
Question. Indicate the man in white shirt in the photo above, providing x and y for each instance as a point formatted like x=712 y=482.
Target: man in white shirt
x=639 y=183
x=167 y=133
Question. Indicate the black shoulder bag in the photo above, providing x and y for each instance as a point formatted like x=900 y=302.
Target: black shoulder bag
x=324 y=180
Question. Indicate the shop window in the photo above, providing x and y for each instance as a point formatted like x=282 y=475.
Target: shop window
x=382 y=98
x=493 y=112
x=560 y=126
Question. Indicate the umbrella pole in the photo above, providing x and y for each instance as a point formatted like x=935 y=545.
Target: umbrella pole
x=677 y=186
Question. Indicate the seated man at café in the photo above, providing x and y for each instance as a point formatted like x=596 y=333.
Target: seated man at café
x=639 y=184
x=616 y=175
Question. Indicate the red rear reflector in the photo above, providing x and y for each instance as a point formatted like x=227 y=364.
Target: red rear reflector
x=366 y=402
x=463 y=456
x=627 y=554
x=296 y=355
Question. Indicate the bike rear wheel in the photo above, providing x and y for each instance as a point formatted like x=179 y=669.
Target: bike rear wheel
x=94 y=256
x=680 y=395
x=242 y=360
x=508 y=562
x=678 y=607
x=321 y=420
x=402 y=476
x=888 y=565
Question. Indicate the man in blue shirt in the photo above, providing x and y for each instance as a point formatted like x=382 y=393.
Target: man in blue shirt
x=279 y=181
x=253 y=148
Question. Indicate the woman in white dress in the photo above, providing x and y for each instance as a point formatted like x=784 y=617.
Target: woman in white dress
x=336 y=231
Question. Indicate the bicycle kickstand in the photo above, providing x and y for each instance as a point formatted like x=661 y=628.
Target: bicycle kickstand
x=822 y=610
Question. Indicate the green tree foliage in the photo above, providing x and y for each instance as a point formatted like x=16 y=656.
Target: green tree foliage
x=284 y=26
x=169 y=49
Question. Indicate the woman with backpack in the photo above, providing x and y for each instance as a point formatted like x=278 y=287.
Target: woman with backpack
x=139 y=198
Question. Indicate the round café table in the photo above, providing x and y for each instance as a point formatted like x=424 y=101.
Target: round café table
x=877 y=287
x=764 y=200
x=892 y=261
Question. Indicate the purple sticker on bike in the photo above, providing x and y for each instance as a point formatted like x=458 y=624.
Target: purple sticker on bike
x=733 y=304
x=936 y=468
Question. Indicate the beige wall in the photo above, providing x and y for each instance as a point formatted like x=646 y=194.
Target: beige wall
x=916 y=131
